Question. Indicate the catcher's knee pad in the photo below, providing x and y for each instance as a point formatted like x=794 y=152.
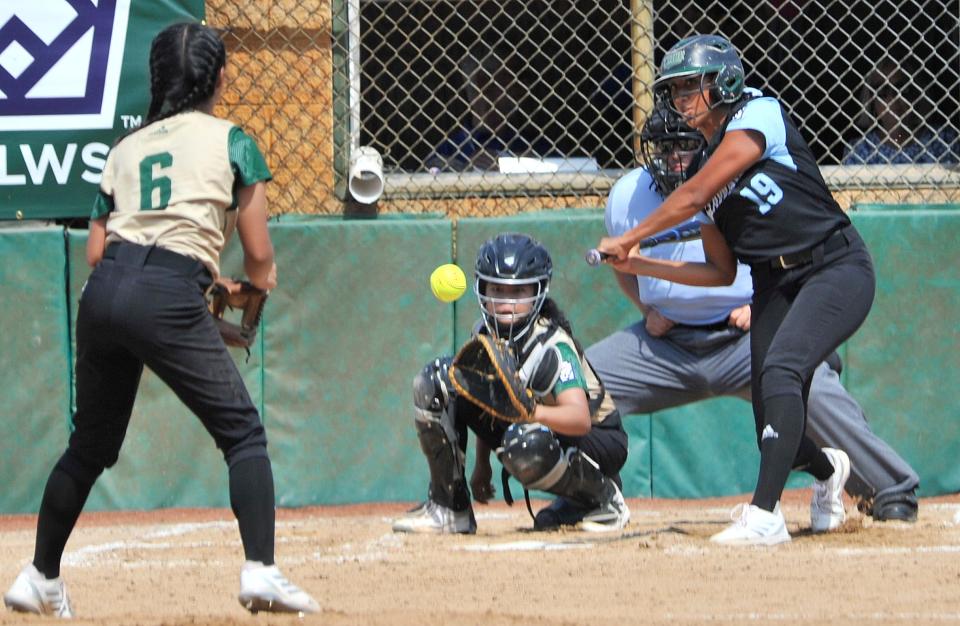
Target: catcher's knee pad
x=431 y=391
x=532 y=455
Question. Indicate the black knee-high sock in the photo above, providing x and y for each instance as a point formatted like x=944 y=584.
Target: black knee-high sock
x=779 y=443
x=812 y=460
x=63 y=499
x=252 y=500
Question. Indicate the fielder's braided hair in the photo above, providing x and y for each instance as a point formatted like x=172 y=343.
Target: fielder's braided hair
x=551 y=311
x=185 y=62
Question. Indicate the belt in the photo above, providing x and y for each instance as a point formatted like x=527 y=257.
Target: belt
x=153 y=255
x=721 y=325
x=835 y=241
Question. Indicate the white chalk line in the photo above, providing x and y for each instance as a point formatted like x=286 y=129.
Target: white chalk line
x=799 y=618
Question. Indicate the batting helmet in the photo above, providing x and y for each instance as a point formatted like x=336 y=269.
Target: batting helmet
x=512 y=259
x=705 y=55
x=669 y=147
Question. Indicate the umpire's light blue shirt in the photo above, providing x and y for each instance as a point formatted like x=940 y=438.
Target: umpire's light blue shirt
x=632 y=199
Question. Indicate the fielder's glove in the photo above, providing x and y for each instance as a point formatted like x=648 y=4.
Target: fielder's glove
x=484 y=372
x=241 y=296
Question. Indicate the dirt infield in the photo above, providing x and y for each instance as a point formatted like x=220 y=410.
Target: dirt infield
x=181 y=567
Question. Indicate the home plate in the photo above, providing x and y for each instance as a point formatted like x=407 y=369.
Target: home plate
x=523 y=546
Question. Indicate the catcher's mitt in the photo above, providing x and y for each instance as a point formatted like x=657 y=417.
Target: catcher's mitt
x=245 y=297
x=484 y=372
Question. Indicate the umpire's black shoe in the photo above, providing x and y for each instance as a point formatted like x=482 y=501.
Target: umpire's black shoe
x=899 y=507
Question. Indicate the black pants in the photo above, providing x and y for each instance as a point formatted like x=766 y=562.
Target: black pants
x=799 y=317
x=146 y=306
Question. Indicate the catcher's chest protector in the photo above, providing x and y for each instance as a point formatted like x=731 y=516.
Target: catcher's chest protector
x=550 y=334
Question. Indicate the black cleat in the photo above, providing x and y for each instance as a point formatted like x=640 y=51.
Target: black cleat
x=896 y=507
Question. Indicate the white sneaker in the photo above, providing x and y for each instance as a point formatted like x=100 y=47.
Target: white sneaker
x=32 y=592
x=752 y=526
x=433 y=518
x=826 y=506
x=265 y=588
x=609 y=516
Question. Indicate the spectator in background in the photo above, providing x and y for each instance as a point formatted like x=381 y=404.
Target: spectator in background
x=491 y=127
x=895 y=121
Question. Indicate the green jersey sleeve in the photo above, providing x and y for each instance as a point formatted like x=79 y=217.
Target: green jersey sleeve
x=102 y=205
x=247 y=161
x=571 y=374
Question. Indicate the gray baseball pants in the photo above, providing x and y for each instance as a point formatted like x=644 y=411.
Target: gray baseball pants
x=645 y=374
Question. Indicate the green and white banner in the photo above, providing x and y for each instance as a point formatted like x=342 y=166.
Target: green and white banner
x=74 y=76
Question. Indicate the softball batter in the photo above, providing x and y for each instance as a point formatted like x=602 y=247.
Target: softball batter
x=764 y=202
x=693 y=343
x=171 y=194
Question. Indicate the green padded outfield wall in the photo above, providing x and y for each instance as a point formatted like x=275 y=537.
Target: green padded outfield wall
x=350 y=325
x=34 y=365
x=353 y=321
x=904 y=362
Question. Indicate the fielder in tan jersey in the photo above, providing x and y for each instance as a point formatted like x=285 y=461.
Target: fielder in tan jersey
x=165 y=186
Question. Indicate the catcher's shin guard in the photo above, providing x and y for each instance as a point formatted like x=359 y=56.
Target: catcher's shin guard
x=532 y=454
x=448 y=485
x=438 y=439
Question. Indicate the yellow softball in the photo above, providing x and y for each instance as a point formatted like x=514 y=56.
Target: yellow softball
x=448 y=282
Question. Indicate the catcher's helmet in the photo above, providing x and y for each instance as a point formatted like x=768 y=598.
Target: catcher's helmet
x=704 y=55
x=512 y=259
x=669 y=147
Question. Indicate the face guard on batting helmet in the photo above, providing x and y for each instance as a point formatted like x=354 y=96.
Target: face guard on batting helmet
x=512 y=259
x=706 y=56
x=669 y=147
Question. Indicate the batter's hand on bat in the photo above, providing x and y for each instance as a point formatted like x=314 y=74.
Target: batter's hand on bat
x=612 y=247
x=740 y=317
x=633 y=263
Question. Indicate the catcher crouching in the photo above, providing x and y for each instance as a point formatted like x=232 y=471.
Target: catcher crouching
x=525 y=389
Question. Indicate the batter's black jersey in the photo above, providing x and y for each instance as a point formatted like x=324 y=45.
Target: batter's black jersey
x=781 y=204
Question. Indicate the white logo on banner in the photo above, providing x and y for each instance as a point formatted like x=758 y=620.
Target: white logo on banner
x=60 y=63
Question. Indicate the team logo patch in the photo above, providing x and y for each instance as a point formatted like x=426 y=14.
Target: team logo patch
x=769 y=433
x=672 y=58
x=566 y=372
x=60 y=63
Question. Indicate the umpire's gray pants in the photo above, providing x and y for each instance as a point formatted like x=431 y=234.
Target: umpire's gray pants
x=645 y=374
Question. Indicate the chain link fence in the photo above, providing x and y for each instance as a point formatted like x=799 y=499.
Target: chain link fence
x=503 y=106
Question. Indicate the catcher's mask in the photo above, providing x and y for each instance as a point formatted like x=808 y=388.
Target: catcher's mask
x=669 y=147
x=512 y=259
x=713 y=59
